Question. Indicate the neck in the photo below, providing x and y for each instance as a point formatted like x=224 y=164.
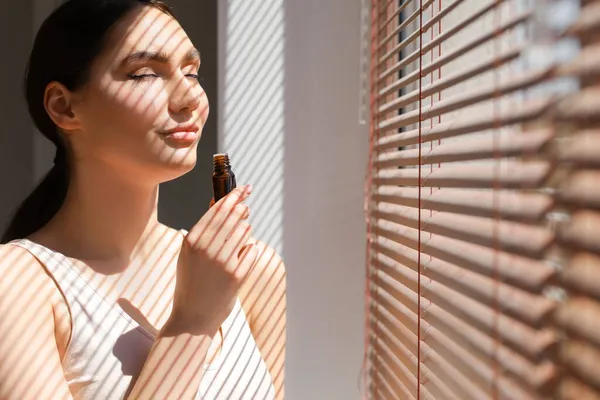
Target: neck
x=105 y=216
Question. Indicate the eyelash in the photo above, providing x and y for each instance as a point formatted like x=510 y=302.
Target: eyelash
x=141 y=76
x=146 y=76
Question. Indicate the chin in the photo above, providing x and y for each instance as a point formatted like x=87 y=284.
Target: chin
x=179 y=163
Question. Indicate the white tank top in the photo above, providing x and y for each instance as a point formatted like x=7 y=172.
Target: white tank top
x=108 y=347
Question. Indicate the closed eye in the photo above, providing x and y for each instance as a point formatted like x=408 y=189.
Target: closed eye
x=140 y=77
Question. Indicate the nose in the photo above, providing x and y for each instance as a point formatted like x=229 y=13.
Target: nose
x=186 y=96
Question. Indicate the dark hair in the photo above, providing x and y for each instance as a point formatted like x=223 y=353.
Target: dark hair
x=64 y=49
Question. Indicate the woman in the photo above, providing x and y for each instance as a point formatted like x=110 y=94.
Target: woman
x=98 y=300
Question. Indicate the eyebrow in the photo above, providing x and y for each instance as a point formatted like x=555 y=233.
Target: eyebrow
x=159 y=57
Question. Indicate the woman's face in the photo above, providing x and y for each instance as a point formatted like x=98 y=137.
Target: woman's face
x=142 y=110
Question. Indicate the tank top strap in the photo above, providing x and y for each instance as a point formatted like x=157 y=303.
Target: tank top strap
x=60 y=267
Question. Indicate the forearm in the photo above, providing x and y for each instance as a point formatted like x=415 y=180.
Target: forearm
x=173 y=369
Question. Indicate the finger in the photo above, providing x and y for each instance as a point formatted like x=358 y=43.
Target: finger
x=247 y=261
x=225 y=207
x=214 y=238
x=214 y=220
x=235 y=197
x=239 y=238
x=230 y=223
x=212 y=202
x=245 y=213
x=244 y=248
x=241 y=212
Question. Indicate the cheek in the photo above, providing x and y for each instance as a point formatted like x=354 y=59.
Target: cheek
x=122 y=115
x=140 y=103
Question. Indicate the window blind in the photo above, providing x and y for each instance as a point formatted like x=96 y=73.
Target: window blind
x=483 y=200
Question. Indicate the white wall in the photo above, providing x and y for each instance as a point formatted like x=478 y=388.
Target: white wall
x=289 y=77
x=252 y=106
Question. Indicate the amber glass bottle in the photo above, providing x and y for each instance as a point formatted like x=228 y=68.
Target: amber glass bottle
x=223 y=177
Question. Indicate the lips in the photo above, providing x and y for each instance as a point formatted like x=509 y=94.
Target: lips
x=182 y=134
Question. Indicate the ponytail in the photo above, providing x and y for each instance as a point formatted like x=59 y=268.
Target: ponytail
x=42 y=204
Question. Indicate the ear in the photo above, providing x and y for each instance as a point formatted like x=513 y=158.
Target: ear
x=58 y=102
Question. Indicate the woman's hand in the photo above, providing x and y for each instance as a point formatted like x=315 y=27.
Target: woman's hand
x=212 y=266
x=212 y=203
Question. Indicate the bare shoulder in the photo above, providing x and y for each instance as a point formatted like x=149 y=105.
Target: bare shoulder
x=267 y=279
x=268 y=259
x=17 y=265
x=263 y=298
x=27 y=326
x=23 y=279
x=24 y=282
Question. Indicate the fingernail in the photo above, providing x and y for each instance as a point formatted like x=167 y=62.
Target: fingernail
x=245 y=250
x=249 y=189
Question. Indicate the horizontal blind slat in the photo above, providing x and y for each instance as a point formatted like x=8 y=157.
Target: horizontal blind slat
x=579 y=108
x=572 y=389
x=433 y=383
x=397 y=311
x=512 y=175
x=492 y=145
x=391 y=372
x=402 y=354
x=462 y=388
x=538 y=378
x=582 y=232
x=399 y=47
x=463 y=335
x=486 y=261
x=583 y=274
x=396 y=31
x=581 y=317
x=417 y=33
x=463 y=100
x=444 y=83
x=513 y=332
x=438 y=40
x=534 y=350
x=381 y=386
x=399 y=293
x=437 y=349
x=583 y=360
x=588 y=22
x=521 y=114
x=442 y=368
x=406 y=21
x=529 y=308
x=581 y=189
x=581 y=149
x=585 y=65
x=393 y=16
x=512 y=237
x=453 y=54
x=510 y=205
